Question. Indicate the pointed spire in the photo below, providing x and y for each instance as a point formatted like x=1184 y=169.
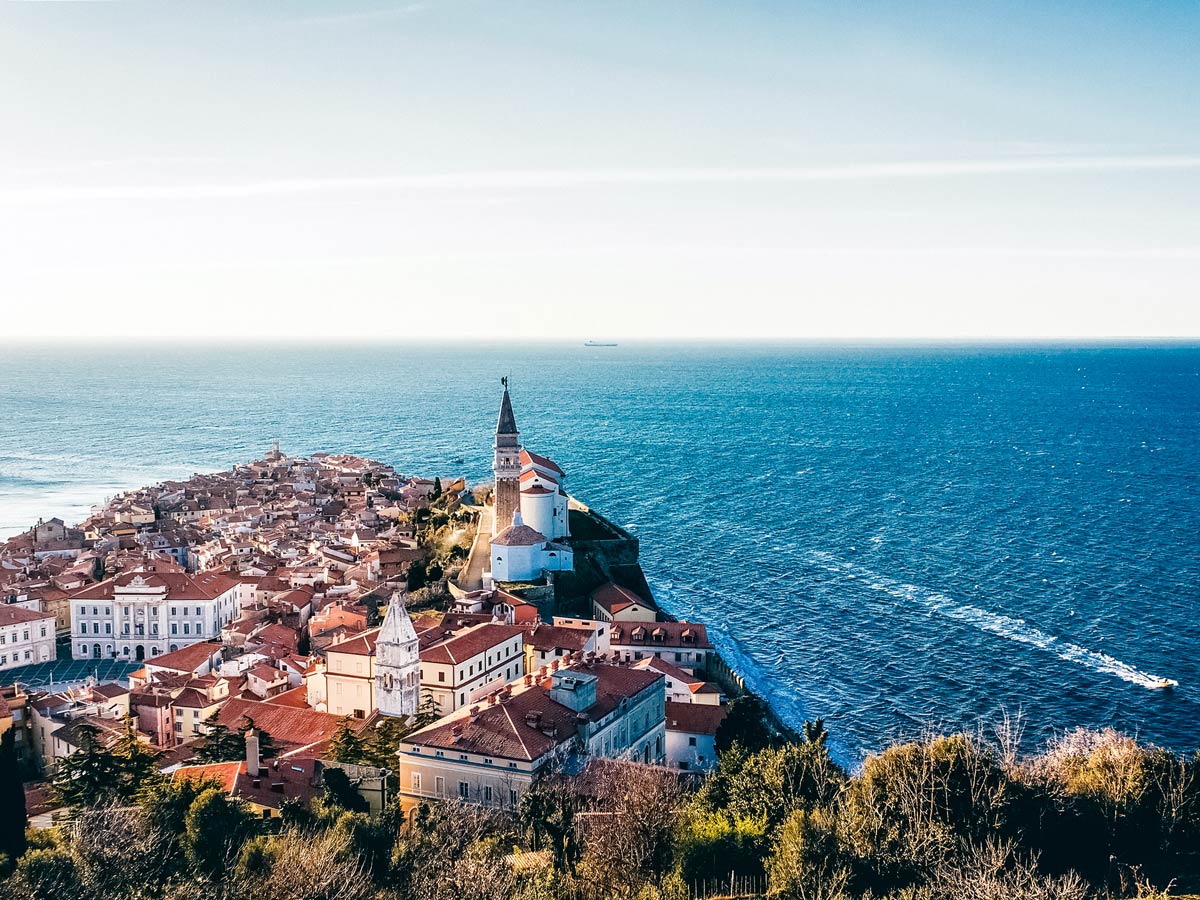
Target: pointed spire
x=507 y=423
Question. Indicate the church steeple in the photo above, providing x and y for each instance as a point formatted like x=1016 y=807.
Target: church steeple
x=507 y=423
x=397 y=662
x=506 y=465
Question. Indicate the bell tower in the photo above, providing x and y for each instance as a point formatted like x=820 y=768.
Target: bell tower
x=397 y=663
x=506 y=466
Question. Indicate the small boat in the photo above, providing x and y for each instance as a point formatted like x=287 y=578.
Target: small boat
x=1163 y=684
x=597 y=344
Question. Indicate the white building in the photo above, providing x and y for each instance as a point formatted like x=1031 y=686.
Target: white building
x=397 y=663
x=490 y=753
x=522 y=553
x=691 y=735
x=140 y=615
x=26 y=637
x=463 y=667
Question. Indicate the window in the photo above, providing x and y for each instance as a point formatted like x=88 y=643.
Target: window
x=487 y=793
x=462 y=698
x=692 y=741
x=678 y=656
x=174 y=630
x=464 y=790
x=439 y=785
x=416 y=782
x=512 y=796
x=441 y=676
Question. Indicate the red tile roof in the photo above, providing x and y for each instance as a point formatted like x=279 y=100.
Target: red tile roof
x=288 y=726
x=684 y=635
x=469 y=643
x=694 y=718
x=614 y=598
x=179 y=585
x=529 y=458
x=186 y=659
x=503 y=729
x=18 y=615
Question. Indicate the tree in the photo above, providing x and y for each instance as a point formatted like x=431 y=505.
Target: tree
x=437 y=487
x=214 y=826
x=745 y=724
x=220 y=744
x=427 y=712
x=339 y=790
x=135 y=762
x=346 y=745
x=13 y=815
x=90 y=775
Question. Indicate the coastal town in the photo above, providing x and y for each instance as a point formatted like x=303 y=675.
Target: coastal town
x=246 y=627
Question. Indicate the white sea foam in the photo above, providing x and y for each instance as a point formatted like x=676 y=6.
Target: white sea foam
x=994 y=623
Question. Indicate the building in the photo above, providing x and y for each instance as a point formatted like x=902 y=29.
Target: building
x=141 y=614
x=397 y=663
x=26 y=637
x=468 y=664
x=506 y=465
x=491 y=752
x=691 y=735
x=683 y=687
x=683 y=643
x=613 y=603
x=530 y=508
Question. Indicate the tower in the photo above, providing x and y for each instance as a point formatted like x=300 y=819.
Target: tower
x=397 y=663
x=506 y=466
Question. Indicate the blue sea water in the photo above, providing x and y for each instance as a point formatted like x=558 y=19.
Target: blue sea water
x=889 y=538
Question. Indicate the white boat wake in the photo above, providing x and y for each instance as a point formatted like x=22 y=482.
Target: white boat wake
x=1003 y=626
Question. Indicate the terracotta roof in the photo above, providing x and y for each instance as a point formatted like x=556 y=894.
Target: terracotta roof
x=18 y=615
x=359 y=645
x=288 y=726
x=185 y=659
x=518 y=536
x=297 y=698
x=276 y=781
x=467 y=644
x=537 y=489
x=690 y=635
x=554 y=637
x=614 y=598
x=694 y=718
x=528 y=457
x=503 y=730
x=179 y=585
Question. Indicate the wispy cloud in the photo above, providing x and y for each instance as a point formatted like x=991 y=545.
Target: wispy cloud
x=557 y=179
x=365 y=15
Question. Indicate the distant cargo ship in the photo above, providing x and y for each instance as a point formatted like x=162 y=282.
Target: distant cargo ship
x=597 y=344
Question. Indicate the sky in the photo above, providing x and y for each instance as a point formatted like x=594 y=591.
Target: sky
x=469 y=169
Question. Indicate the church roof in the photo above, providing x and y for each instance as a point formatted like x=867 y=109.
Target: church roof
x=518 y=536
x=397 y=627
x=507 y=423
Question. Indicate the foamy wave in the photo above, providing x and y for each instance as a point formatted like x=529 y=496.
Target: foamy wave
x=994 y=623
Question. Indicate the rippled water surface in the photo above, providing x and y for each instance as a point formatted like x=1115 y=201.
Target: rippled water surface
x=889 y=538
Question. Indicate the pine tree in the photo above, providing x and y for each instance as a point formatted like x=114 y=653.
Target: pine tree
x=220 y=744
x=134 y=762
x=90 y=775
x=427 y=712
x=345 y=745
x=13 y=815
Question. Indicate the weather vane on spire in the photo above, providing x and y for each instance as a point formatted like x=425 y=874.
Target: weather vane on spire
x=504 y=381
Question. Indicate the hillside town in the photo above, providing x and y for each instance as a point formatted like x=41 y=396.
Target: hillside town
x=247 y=626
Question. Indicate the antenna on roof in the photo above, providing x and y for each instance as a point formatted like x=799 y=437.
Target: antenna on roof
x=504 y=381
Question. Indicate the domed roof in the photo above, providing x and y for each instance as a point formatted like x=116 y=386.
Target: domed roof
x=518 y=536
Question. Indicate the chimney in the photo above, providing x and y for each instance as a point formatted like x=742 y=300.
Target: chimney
x=252 y=761
x=528 y=680
x=474 y=713
x=456 y=733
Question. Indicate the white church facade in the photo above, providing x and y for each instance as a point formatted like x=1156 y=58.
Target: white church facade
x=530 y=513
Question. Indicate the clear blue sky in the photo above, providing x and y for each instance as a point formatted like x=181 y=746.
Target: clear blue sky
x=561 y=170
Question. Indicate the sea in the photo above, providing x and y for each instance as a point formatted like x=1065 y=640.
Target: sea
x=893 y=539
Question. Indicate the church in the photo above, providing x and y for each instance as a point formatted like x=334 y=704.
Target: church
x=530 y=508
